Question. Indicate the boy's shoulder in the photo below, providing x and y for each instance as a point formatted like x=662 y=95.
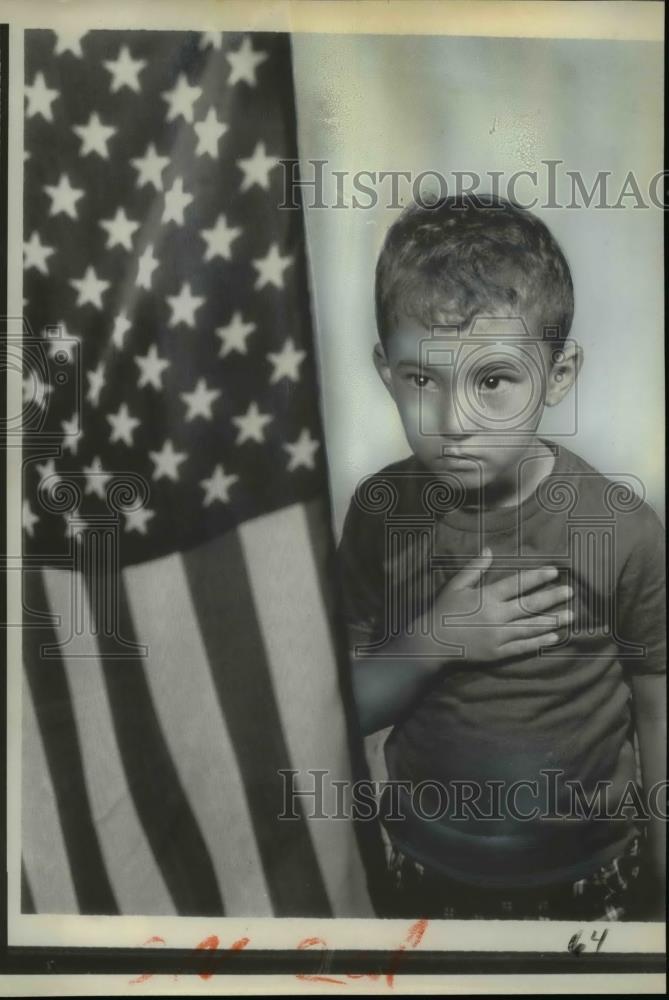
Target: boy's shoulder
x=578 y=488
x=392 y=490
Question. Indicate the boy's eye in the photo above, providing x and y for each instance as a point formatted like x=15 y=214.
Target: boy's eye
x=490 y=383
x=420 y=381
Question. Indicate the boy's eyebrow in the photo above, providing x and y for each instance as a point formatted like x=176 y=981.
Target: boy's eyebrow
x=419 y=364
x=500 y=364
x=497 y=363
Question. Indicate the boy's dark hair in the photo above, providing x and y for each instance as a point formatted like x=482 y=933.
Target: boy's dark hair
x=461 y=257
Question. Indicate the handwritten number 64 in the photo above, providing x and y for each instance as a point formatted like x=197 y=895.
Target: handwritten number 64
x=576 y=946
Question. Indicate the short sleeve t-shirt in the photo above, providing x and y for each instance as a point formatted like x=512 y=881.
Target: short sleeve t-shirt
x=539 y=731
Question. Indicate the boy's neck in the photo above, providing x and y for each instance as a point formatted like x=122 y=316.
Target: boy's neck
x=534 y=464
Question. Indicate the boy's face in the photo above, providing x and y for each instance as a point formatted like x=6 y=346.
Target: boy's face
x=471 y=401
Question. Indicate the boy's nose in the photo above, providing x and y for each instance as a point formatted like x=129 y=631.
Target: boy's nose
x=451 y=423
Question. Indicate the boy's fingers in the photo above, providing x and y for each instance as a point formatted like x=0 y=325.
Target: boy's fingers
x=520 y=647
x=519 y=583
x=558 y=618
x=541 y=600
x=471 y=574
x=531 y=627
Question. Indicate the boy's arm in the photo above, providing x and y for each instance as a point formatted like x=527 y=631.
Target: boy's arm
x=385 y=686
x=650 y=715
x=640 y=620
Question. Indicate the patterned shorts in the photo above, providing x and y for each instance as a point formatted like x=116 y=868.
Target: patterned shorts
x=606 y=894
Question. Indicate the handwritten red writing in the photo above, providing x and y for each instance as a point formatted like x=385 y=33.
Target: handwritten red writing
x=211 y=943
x=147 y=975
x=413 y=939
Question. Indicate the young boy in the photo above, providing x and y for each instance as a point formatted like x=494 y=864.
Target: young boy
x=505 y=601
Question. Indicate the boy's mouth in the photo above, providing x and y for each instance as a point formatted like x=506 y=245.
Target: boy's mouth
x=459 y=463
x=457 y=456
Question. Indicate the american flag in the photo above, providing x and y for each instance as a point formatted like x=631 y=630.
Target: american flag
x=179 y=647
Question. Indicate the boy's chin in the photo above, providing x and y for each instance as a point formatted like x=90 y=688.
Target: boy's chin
x=470 y=474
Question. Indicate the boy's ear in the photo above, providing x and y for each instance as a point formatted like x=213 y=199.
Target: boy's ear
x=382 y=367
x=564 y=372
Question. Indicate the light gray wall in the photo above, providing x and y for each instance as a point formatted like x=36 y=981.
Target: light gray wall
x=481 y=104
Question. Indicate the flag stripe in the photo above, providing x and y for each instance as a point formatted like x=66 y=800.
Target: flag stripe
x=368 y=834
x=43 y=847
x=27 y=898
x=54 y=717
x=223 y=599
x=320 y=541
x=284 y=582
x=160 y=801
x=137 y=881
x=179 y=676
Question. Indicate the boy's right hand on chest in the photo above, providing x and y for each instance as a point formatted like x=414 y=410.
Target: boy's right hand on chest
x=514 y=616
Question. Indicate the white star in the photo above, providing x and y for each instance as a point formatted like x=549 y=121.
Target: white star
x=63 y=197
x=219 y=239
x=47 y=473
x=286 y=362
x=46 y=469
x=302 y=451
x=146 y=265
x=270 y=268
x=125 y=70
x=213 y=38
x=208 y=133
x=121 y=326
x=40 y=98
x=167 y=462
x=256 y=168
x=74 y=524
x=63 y=353
x=217 y=486
x=151 y=368
x=94 y=137
x=251 y=425
x=183 y=306
x=123 y=425
x=176 y=201
x=89 y=288
x=35 y=389
x=35 y=254
x=96 y=479
x=71 y=433
x=244 y=62
x=96 y=381
x=136 y=520
x=181 y=99
x=29 y=519
x=150 y=168
x=200 y=401
x=69 y=40
x=119 y=230
x=62 y=344
x=234 y=335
